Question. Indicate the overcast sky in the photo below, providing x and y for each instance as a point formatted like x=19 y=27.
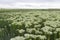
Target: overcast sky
x=29 y=3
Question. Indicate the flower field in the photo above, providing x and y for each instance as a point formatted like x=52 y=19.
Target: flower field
x=29 y=24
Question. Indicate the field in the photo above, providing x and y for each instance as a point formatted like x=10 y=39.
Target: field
x=29 y=24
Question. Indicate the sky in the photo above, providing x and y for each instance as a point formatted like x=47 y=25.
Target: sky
x=30 y=4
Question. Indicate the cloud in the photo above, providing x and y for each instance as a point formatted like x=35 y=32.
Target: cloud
x=28 y=1
x=22 y=5
x=30 y=4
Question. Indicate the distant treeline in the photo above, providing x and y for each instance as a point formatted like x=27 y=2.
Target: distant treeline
x=25 y=10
